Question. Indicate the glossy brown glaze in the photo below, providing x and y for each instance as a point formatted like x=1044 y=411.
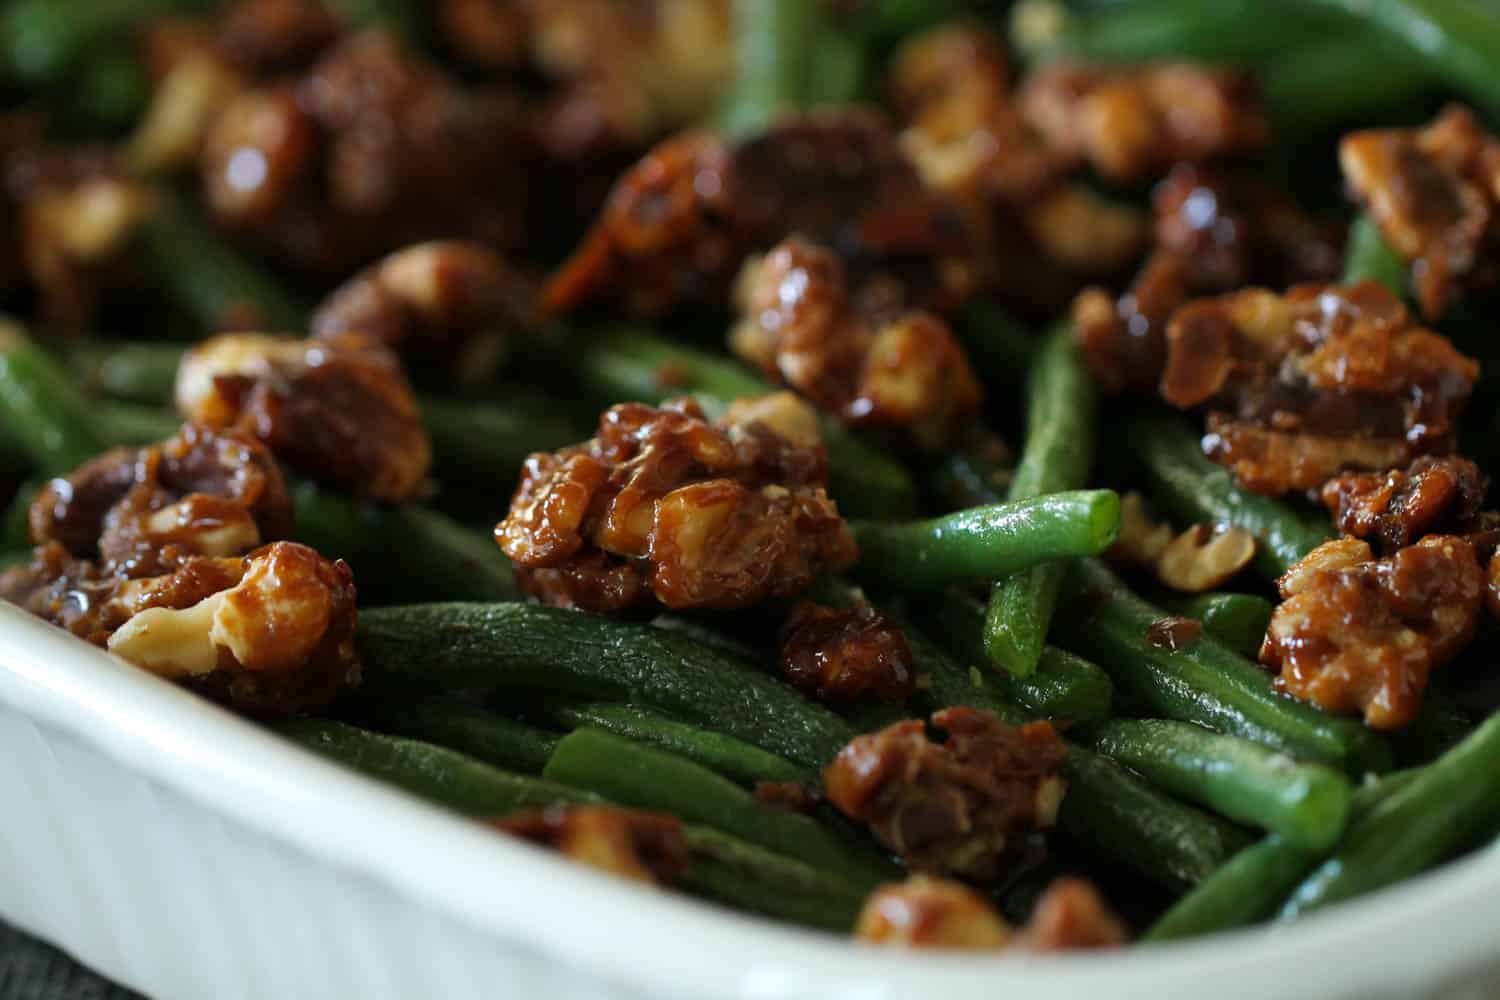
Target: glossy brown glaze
x=640 y=846
x=843 y=654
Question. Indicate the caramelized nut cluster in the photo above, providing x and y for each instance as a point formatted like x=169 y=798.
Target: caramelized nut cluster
x=1434 y=192
x=370 y=150
x=1214 y=232
x=1357 y=633
x=640 y=846
x=800 y=326
x=1321 y=380
x=664 y=507
x=448 y=305
x=927 y=912
x=963 y=806
x=843 y=654
x=680 y=223
x=1396 y=508
x=338 y=409
x=1127 y=123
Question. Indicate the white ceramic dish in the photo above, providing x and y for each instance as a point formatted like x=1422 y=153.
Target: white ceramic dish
x=190 y=855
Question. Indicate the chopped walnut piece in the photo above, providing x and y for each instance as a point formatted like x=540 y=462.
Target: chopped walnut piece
x=1434 y=192
x=141 y=511
x=1356 y=633
x=448 y=304
x=800 y=326
x=783 y=412
x=1142 y=538
x=662 y=505
x=370 y=150
x=1128 y=122
x=842 y=654
x=640 y=846
x=1202 y=559
x=338 y=409
x=1306 y=385
x=679 y=224
x=927 y=912
x=1396 y=508
x=1215 y=232
x=963 y=806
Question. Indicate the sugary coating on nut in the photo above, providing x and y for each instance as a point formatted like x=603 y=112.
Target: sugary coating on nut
x=336 y=409
x=843 y=654
x=640 y=846
x=1215 y=232
x=679 y=224
x=1128 y=122
x=664 y=507
x=963 y=806
x=1434 y=192
x=1071 y=914
x=800 y=326
x=370 y=150
x=927 y=912
x=141 y=511
x=1396 y=508
x=1315 y=382
x=448 y=304
x=1359 y=634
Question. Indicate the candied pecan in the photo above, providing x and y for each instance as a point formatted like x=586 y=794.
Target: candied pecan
x=1435 y=194
x=1309 y=384
x=962 y=806
x=800 y=326
x=662 y=504
x=842 y=654
x=450 y=303
x=1070 y=915
x=370 y=150
x=640 y=846
x=273 y=635
x=1128 y=122
x=1356 y=633
x=1214 y=232
x=141 y=511
x=927 y=912
x=679 y=224
x=1430 y=496
x=337 y=409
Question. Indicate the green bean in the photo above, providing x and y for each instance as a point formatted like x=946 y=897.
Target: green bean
x=431 y=772
x=1250 y=886
x=1204 y=682
x=1106 y=807
x=141 y=372
x=485 y=444
x=626 y=365
x=774 y=47
x=1457 y=40
x=1453 y=800
x=1064 y=686
x=1326 y=82
x=128 y=423
x=403 y=554
x=208 y=278
x=998 y=346
x=1305 y=803
x=41 y=407
x=1239 y=621
x=1368 y=257
x=468 y=728
x=435 y=647
x=752 y=878
x=1440 y=725
x=16 y=530
x=733 y=758
x=1190 y=488
x=1057 y=455
x=646 y=778
x=47 y=40
x=110 y=92
x=983 y=543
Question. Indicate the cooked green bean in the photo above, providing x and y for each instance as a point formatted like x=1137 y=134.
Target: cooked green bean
x=1326 y=81
x=1239 y=621
x=1368 y=257
x=637 y=775
x=1203 y=681
x=41 y=407
x=774 y=46
x=141 y=372
x=752 y=878
x=733 y=758
x=983 y=543
x=484 y=444
x=1057 y=455
x=1452 y=801
x=434 y=647
x=468 y=728
x=998 y=346
x=1189 y=488
x=1305 y=803
x=109 y=92
x=129 y=423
